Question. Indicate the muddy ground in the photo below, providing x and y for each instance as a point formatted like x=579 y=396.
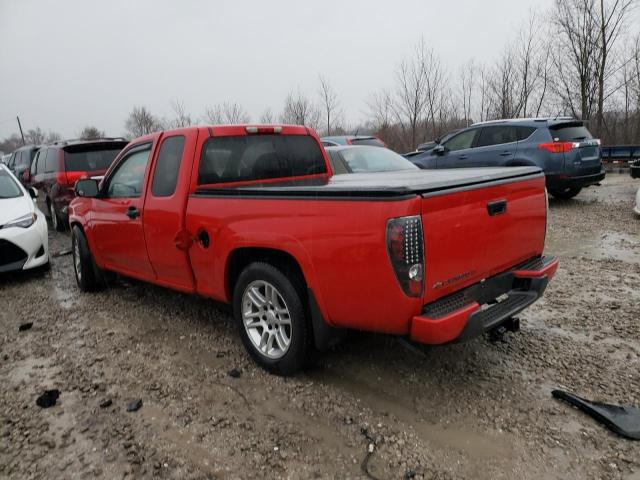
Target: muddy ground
x=482 y=410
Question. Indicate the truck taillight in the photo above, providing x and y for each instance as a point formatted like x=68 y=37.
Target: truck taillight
x=558 y=147
x=406 y=252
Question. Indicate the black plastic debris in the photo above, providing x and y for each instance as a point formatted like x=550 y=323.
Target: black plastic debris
x=106 y=403
x=234 y=373
x=25 y=326
x=48 y=398
x=623 y=420
x=134 y=406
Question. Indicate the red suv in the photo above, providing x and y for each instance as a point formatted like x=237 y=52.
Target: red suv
x=56 y=168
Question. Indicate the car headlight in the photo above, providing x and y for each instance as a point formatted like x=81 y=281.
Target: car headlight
x=22 y=222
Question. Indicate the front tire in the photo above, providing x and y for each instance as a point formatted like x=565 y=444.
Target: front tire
x=83 y=265
x=565 y=193
x=271 y=317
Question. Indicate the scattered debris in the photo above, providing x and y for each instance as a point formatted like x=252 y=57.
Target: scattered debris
x=373 y=443
x=25 y=326
x=62 y=253
x=409 y=474
x=135 y=405
x=234 y=373
x=623 y=420
x=106 y=403
x=48 y=398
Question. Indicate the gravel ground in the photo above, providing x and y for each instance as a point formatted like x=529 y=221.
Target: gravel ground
x=482 y=410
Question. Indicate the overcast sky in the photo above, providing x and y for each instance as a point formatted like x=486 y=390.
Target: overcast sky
x=69 y=63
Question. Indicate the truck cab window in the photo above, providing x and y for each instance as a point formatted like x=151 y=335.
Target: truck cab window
x=127 y=180
x=165 y=176
x=259 y=157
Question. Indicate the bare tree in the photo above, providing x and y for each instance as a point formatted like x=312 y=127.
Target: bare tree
x=329 y=102
x=141 y=122
x=230 y=113
x=35 y=136
x=267 y=117
x=467 y=86
x=91 y=133
x=380 y=110
x=612 y=17
x=300 y=110
x=410 y=101
x=180 y=116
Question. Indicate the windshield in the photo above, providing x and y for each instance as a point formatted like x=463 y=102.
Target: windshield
x=91 y=159
x=8 y=187
x=368 y=159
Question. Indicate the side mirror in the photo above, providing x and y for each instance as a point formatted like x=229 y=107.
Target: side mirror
x=439 y=149
x=87 y=187
x=26 y=176
x=33 y=192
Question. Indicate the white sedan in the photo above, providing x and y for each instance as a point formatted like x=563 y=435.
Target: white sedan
x=23 y=228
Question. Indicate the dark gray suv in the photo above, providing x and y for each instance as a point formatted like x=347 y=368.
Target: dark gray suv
x=563 y=147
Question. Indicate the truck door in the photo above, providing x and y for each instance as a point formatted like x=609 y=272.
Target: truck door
x=165 y=208
x=116 y=216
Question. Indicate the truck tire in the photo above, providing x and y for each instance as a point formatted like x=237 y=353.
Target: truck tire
x=565 y=193
x=85 y=269
x=271 y=317
x=56 y=223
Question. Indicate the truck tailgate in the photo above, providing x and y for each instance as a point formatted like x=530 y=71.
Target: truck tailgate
x=472 y=234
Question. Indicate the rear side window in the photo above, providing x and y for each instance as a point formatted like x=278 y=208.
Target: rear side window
x=165 y=176
x=259 y=157
x=523 y=133
x=34 y=164
x=51 y=163
x=496 y=135
x=569 y=132
x=90 y=158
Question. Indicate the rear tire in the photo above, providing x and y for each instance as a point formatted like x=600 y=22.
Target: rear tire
x=272 y=321
x=86 y=272
x=56 y=223
x=565 y=193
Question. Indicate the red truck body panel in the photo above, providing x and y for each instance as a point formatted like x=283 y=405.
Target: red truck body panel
x=337 y=236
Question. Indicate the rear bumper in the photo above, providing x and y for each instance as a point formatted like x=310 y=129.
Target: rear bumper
x=484 y=306
x=565 y=181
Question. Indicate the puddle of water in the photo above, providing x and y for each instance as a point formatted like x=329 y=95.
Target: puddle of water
x=608 y=245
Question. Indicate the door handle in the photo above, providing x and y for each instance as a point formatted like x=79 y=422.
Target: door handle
x=133 y=212
x=506 y=154
x=497 y=207
x=462 y=157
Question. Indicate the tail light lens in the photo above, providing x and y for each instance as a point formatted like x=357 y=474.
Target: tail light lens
x=558 y=147
x=406 y=252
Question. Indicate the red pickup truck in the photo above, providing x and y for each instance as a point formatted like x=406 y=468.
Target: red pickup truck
x=253 y=216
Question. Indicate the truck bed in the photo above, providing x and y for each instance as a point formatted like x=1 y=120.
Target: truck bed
x=383 y=184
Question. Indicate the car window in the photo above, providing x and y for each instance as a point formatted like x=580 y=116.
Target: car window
x=51 y=162
x=567 y=132
x=259 y=157
x=90 y=158
x=165 y=176
x=128 y=178
x=523 y=133
x=461 y=141
x=34 y=164
x=374 y=159
x=496 y=135
x=367 y=141
x=8 y=187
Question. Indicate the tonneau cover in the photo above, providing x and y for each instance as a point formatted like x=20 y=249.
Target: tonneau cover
x=385 y=184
